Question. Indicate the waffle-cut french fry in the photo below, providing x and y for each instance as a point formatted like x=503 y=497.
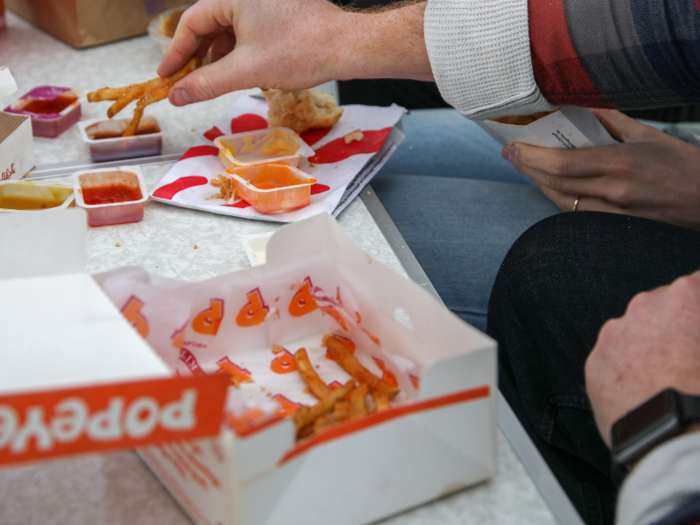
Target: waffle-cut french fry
x=352 y=366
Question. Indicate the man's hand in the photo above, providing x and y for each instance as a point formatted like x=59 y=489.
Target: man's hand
x=649 y=174
x=655 y=345
x=292 y=44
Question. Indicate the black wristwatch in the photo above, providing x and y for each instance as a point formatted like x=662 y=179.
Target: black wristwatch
x=664 y=416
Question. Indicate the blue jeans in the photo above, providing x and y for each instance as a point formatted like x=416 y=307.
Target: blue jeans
x=459 y=205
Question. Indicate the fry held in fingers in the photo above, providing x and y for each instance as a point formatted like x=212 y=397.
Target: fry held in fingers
x=146 y=93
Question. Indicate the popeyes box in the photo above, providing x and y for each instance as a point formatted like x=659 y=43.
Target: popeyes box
x=75 y=376
x=84 y=23
x=438 y=437
x=16 y=140
x=568 y=127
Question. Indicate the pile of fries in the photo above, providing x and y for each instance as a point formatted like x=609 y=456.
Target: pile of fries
x=523 y=120
x=146 y=93
x=344 y=403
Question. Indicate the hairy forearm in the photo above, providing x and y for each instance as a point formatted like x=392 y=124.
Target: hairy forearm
x=383 y=43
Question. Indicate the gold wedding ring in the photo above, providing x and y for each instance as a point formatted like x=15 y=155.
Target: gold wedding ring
x=576 y=202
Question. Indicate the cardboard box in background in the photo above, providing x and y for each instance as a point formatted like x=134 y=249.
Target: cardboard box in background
x=84 y=23
x=438 y=437
x=16 y=139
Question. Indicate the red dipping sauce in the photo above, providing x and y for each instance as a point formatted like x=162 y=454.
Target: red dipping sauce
x=111 y=194
x=53 y=105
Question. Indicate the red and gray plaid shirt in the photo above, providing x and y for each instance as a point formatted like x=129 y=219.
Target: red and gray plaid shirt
x=616 y=53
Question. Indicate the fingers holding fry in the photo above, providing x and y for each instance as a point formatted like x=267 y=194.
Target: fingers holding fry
x=352 y=366
x=147 y=93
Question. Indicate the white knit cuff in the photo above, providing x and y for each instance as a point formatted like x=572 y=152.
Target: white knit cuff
x=663 y=481
x=479 y=51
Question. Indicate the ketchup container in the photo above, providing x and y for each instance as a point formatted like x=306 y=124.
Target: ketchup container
x=53 y=109
x=111 y=195
x=272 y=187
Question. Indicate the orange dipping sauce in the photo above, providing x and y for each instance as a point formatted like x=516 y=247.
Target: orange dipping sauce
x=111 y=194
x=45 y=106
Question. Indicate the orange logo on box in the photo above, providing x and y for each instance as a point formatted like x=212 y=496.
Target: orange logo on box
x=132 y=312
x=109 y=417
x=415 y=380
x=387 y=376
x=236 y=373
x=254 y=311
x=284 y=363
x=207 y=321
x=303 y=302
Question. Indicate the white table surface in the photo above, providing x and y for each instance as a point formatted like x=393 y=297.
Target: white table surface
x=118 y=488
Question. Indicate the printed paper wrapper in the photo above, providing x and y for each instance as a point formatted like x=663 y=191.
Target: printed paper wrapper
x=341 y=169
x=314 y=283
x=569 y=127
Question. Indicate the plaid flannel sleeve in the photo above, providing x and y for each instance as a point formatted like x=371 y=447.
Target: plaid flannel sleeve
x=616 y=53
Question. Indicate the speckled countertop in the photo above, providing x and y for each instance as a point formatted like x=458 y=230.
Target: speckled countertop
x=118 y=488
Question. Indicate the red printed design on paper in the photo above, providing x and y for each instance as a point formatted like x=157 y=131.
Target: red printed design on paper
x=200 y=151
x=213 y=133
x=312 y=136
x=168 y=191
x=319 y=188
x=190 y=361
x=337 y=150
x=247 y=122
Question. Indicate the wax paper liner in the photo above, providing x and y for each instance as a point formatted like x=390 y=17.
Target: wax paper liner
x=341 y=169
x=230 y=323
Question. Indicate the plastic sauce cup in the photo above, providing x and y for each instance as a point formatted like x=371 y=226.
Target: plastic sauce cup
x=272 y=187
x=111 y=195
x=53 y=109
x=162 y=28
x=103 y=138
x=23 y=197
x=269 y=145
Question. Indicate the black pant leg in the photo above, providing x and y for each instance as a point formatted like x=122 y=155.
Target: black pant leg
x=559 y=283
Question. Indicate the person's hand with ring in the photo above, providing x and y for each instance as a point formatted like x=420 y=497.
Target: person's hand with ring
x=649 y=174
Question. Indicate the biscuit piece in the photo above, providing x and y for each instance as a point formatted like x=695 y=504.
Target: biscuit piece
x=301 y=110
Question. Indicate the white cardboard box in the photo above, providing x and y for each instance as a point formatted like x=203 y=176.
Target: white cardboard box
x=75 y=377
x=16 y=139
x=439 y=438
